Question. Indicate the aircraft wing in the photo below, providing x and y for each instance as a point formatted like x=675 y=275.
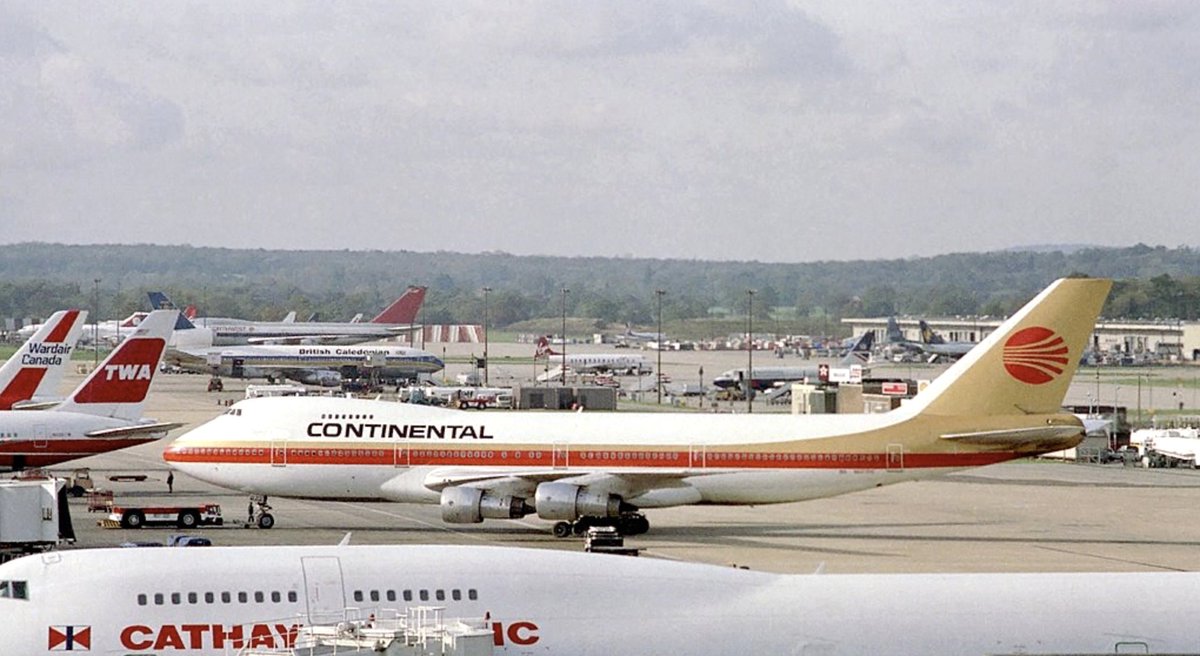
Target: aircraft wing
x=305 y=339
x=629 y=483
x=136 y=429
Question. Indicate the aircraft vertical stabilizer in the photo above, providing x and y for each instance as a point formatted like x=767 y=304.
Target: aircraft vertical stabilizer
x=37 y=368
x=117 y=388
x=404 y=310
x=1025 y=366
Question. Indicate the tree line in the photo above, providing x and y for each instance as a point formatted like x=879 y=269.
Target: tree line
x=36 y=279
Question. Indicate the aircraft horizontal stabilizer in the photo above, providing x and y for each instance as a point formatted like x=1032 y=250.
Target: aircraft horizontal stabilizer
x=1019 y=436
x=137 y=429
x=35 y=405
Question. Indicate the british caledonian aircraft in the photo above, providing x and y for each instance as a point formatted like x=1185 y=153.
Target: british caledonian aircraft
x=217 y=601
x=312 y=365
x=1001 y=401
x=103 y=414
x=32 y=375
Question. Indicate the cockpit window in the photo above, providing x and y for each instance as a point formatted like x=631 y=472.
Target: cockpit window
x=14 y=590
x=236 y=412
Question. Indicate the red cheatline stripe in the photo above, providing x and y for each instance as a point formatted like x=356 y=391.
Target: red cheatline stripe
x=583 y=458
x=64 y=326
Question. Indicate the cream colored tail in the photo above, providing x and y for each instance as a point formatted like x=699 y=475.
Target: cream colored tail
x=1025 y=366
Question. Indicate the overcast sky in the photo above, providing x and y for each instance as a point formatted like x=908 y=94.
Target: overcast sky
x=743 y=130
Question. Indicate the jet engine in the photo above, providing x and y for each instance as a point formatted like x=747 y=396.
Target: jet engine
x=570 y=502
x=470 y=505
x=322 y=377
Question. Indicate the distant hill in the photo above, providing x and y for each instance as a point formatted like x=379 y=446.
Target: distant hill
x=37 y=278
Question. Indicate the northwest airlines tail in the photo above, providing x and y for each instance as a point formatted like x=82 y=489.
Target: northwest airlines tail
x=117 y=388
x=1025 y=366
x=404 y=309
x=35 y=371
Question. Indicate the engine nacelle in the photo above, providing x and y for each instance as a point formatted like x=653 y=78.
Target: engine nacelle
x=470 y=505
x=323 y=377
x=570 y=502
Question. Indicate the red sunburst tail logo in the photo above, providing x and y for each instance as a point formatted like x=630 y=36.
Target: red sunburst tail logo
x=1036 y=355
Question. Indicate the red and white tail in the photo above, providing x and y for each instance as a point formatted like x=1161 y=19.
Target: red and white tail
x=117 y=388
x=404 y=309
x=543 y=349
x=35 y=371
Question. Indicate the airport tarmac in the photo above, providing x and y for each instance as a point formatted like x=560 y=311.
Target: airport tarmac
x=1024 y=516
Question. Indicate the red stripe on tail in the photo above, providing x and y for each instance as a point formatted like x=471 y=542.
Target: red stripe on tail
x=125 y=377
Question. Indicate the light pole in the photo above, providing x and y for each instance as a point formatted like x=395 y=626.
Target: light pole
x=658 y=368
x=749 y=351
x=702 y=387
x=485 y=335
x=565 y=291
x=95 y=322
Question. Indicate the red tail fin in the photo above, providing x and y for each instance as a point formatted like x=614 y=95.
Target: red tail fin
x=543 y=349
x=37 y=367
x=118 y=386
x=125 y=376
x=404 y=309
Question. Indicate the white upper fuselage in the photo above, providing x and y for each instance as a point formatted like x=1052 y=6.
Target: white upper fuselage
x=214 y=601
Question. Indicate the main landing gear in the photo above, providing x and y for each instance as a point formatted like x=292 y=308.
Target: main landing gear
x=258 y=513
x=627 y=524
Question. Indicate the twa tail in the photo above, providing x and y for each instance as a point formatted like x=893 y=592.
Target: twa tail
x=404 y=310
x=117 y=388
x=36 y=369
x=1027 y=364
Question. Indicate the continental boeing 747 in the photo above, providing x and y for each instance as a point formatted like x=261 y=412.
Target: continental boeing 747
x=218 y=601
x=1001 y=401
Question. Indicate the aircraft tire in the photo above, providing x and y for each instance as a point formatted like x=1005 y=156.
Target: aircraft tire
x=266 y=520
x=562 y=530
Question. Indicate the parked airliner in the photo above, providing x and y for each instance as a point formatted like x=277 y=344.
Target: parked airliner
x=765 y=378
x=618 y=363
x=1001 y=401
x=103 y=414
x=312 y=365
x=218 y=600
x=396 y=319
x=32 y=375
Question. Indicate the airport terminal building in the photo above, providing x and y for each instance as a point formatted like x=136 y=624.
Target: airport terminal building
x=1114 y=341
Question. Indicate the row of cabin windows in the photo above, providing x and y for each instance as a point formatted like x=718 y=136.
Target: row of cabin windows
x=329 y=416
x=225 y=597
x=407 y=595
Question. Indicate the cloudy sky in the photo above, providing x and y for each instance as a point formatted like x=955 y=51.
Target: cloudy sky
x=744 y=130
